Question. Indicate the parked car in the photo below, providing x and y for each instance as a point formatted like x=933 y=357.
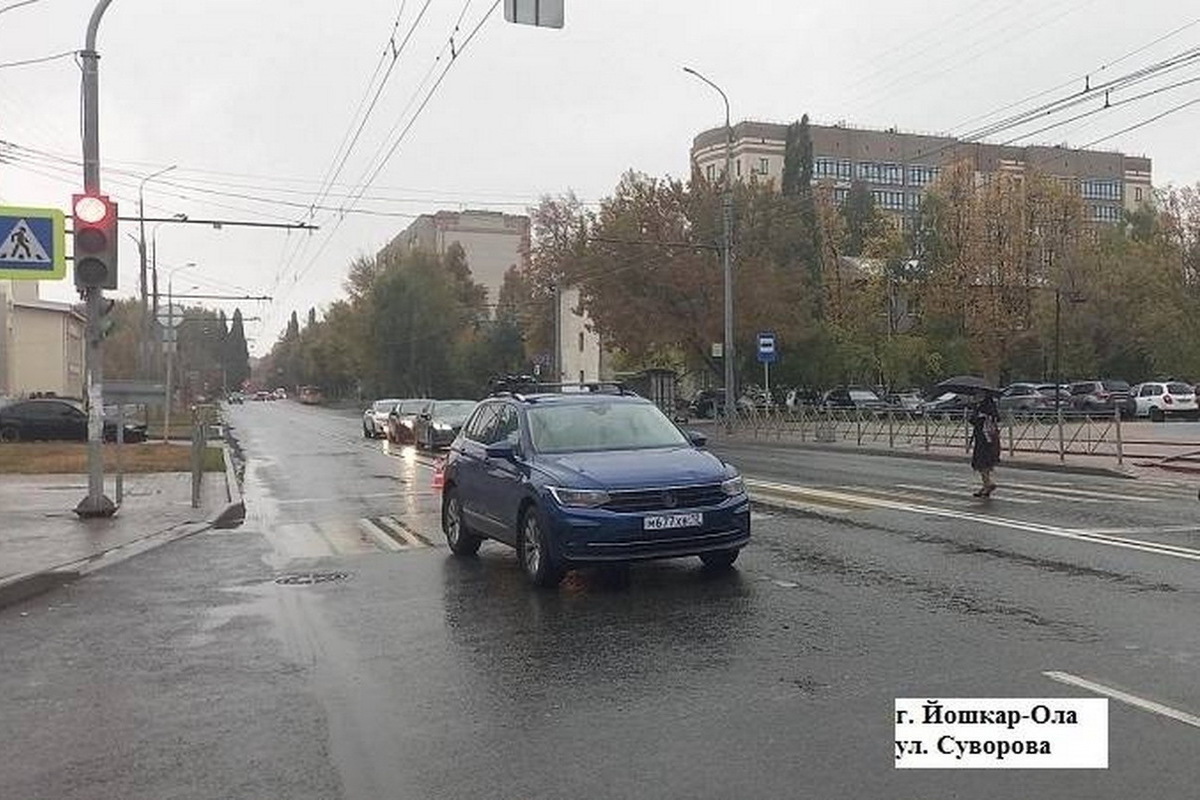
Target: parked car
x=440 y=421
x=906 y=401
x=1025 y=397
x=853 y=397
x=57 y=420
x=946 y=403
x=589 y=478
x=707 y=403
x=1103 y=396
x=236 y=398
x=1064 y=394
x=1161 y=400
x=400 y=419
x=375 y=417
x=262 y=395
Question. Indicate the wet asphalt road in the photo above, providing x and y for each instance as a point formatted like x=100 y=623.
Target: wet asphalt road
x=189 y=672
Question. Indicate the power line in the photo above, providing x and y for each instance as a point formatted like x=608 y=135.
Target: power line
x=41 y=60
x=1144 y=122
x=13 y=6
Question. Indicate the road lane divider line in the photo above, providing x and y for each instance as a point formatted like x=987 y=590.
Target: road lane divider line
x=1081 y=535
x=960 y=493
x=393 y=525
x=1124 y=697
x=1082 y=494
x=380 y=537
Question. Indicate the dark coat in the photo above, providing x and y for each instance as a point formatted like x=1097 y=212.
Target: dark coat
x=985 y=435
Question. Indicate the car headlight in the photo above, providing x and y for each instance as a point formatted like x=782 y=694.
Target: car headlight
x=441 y=426
x=579 y=498
x=733 y=486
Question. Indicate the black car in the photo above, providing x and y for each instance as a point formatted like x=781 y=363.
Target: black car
x=440 y=422
x=56 y=420
x=857 y=397
x=706 y=403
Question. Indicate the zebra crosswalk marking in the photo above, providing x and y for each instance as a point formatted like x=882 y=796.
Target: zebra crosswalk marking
x=379 y=536
x=399 y=530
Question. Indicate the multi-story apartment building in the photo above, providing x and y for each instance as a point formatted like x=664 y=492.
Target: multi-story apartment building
x=493 y=242
x=896 y=167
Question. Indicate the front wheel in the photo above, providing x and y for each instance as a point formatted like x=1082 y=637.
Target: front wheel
x=460 y=539
x=1157 y=415
x=9 y=433
x=537 y=561
x=719 y=559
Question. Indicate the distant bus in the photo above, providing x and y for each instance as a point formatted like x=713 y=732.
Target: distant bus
x=311 y=395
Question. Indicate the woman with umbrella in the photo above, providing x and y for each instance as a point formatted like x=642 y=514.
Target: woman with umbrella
x=985 y=427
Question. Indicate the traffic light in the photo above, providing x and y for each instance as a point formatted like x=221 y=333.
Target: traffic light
x=95 y=232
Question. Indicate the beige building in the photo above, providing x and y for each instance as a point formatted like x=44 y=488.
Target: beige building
x=41 y=343
x=896 y=167
x=493 y=242
x=580 y=353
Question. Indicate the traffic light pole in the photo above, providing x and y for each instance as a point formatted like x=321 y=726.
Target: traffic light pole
x=96 y=504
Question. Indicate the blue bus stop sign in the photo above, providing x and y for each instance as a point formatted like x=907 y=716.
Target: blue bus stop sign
x=32 y=244
x=767 y=351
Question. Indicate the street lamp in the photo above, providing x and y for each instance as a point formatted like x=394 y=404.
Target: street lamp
x=146 y=324
x=154 y=256
x=727 y=254
x=170 y=348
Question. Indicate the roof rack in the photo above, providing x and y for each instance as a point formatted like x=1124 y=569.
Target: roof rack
x=520 y=385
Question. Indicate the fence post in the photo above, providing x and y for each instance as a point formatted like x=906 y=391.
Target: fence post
x=1061 y=454
x=1120 y=443
x=891 y=431
x=198 y=446
x=858 y=426
x=1012 y=445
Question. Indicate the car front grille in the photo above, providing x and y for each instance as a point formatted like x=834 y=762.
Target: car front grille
x=669 y=499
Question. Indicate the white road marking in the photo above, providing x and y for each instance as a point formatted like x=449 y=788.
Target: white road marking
x=1125 y=697
x=1081 y=535
x=382 y=540
x=958 y=493
x=393 y=525
x=1050 y=488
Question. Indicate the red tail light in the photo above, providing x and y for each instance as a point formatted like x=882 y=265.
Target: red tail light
x=1167 y=399
x=439 y=474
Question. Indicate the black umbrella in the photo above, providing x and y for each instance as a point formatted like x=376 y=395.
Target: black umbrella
x=967 y=384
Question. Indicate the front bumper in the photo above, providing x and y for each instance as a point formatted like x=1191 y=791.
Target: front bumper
x=582 y=536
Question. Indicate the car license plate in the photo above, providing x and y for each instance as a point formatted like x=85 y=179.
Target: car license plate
x=664 y=522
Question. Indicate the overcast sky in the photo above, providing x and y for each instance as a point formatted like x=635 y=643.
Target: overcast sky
x=252 y=100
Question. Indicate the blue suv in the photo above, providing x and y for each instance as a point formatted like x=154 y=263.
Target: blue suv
x=591 y=476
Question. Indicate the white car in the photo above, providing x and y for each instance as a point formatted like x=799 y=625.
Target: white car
x=1161 y=400
x=375 y=418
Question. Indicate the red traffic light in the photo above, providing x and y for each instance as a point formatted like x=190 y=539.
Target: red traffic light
x=94 y=219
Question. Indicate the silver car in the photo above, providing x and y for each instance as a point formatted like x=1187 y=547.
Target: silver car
x=375 y=418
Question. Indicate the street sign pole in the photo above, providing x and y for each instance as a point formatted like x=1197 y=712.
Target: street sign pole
x=95 y=504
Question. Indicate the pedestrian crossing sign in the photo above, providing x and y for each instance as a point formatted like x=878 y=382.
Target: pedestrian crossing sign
x=32 y=244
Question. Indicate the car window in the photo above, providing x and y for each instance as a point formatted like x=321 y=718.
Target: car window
x=1179 y=388
x=453 y=411
x=1151 y=389
x=1081 y=388
x=477 y=428
x=1115 y=386
x=507 y=427
x=601 y=426
x=864 y=395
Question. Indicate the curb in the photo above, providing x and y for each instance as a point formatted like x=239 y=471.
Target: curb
x=233 y=514
x=18 y=588
x=1080 y=469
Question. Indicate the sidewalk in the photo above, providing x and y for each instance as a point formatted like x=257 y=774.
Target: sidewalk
x=43 y=544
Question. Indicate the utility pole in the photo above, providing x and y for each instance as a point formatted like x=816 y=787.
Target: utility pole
x=727 y=257
x=95 y=504
x=147 y=324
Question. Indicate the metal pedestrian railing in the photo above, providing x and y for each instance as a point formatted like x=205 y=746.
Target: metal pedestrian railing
x=1064 y=433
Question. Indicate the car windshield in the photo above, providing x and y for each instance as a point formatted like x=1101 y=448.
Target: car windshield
x=411 y=406
x=383 y=406
x=1115 y=386
x=1179 y=388
x=864 y=395
x=575 y=427
x=453 y=411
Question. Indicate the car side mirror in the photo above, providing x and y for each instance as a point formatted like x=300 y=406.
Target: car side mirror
x=697 y=438
x=501 y=450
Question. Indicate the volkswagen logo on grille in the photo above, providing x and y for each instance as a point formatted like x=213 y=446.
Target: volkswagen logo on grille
x=669 y=500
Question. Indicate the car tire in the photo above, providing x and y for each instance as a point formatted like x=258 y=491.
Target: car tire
x=367 y=434
x=538 y=563
x=10 y=433
x=719 y=559
x=1157 y=415
x=459 y=538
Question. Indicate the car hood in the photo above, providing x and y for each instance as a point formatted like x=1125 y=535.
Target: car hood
x=628 y=469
